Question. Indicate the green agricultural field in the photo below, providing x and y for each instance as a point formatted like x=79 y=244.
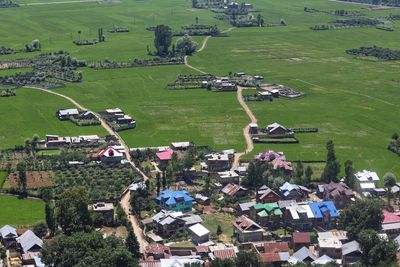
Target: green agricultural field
x=20 y=212
x=352 y=101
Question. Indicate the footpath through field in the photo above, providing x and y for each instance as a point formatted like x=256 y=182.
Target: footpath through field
x=248 y=111
x=126 y=195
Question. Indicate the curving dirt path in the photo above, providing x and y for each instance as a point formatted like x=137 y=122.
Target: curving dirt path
x=126 y=194
x=253 y=119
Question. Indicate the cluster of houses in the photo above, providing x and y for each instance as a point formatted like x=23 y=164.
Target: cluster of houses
x=231 y=83
x=310 y=216
x=56 y=141
x=277 y=90
x=117 y=119
x=22 y=247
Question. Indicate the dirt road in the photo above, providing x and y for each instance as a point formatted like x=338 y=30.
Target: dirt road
x=246 y=134
x=135 y=224
x=126 y=195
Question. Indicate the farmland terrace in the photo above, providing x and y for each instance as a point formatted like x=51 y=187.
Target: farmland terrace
x=353 y=101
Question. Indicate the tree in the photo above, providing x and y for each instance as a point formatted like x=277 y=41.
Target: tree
x=299 y=169
x=247 y=259
x=164 y=181
x=50 y=221
x=207 y=186
x=389 y=181
x=349 y=178
x=185 y=45
x=40 y=229
x=219 y=230
x=188 y=159
x=308 y=174
x=132 y=243
x=194 y=3
x=197 y=20
x=162 y=39
x=79 y=34
x=395 y=136
x=22 y=180
x=71 y=210
x=158 y=177
x=332 y=167
x=86 y=250
x=377 y=251
x=222 y=263
x=361 y=215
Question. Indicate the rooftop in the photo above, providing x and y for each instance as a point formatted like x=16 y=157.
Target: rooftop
x=199 y=230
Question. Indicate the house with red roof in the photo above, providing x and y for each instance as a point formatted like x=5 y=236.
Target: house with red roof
x=276 y=253
x=164 y=157
x=300 y=239
x=391 y=223
x=111 y=155
x=246 y=230
x=157 y=252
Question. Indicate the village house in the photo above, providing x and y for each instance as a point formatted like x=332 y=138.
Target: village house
x=202 y=199
x=339 y=193
x=269 y=156
x=330 y=243
x=200 y=234
x=266 y=195
x=351 y=253
x=223 y=251
x=234 y=190
x=290 y=191
x=164 y=157
x=87 y=115
x=218 y=163
x=8 y=235
x=282 y=165
x=155 y=252
x=253 y=128
x=300 y=239
x=303 y=255
x=391 y=223
x=244 y=208
x=267 y=214
x=277 y=130
x=366 y=181
x=275 y=253
x=105 y=209
x=111 y=155
x=325 y=214
x=55 y=141
x=299 y=216
x=29 y=242
x=228 y=177
x=180 y=145
x=175 y=200
x=168 y=223
x=246 y=230
x=66 y=114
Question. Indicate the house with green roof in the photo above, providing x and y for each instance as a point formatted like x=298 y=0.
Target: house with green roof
x=267 y=214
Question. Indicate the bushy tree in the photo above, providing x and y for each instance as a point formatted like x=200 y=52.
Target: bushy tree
x=377 y=251
x=332 y=167
x=361 y=215
x=132 y=243
x=162 y=39
x=50 y=220
x=71 y=211
x=40 y=229
x=185 y=45
x=249 y=259
x=389 y=180
x=86 y=249
x=349 y=178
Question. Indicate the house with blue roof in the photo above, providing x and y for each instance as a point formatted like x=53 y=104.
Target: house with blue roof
x=175 y=200
x=325 y=213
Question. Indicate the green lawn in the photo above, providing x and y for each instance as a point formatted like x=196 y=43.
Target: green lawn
x=3 y=176
x=20 y=212
x=352 y=101
x=54 y=152
x=211 y=222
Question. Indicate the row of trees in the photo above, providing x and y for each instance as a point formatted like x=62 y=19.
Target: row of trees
x=394 y=144
x=375 y=51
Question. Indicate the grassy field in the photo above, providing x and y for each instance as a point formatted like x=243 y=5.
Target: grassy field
x=352 y=101
x=211 y=222
x=20 y=212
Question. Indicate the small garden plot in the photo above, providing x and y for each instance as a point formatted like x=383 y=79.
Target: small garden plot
x=349 y=23
x=7 y=4
x=191 y=81
x=225 y=221
x=271 y=140
x=118 y=29
x=34 y=179
x=376 y=52
x=101 y=182
x=49 y=70
x=110 y=64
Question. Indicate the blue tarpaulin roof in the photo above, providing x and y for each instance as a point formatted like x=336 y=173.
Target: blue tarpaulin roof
x=318 y=208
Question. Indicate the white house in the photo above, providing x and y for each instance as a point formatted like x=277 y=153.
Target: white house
x=200 y=234
x=367 y=181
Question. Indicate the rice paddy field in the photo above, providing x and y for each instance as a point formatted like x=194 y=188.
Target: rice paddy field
x=353 y=101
